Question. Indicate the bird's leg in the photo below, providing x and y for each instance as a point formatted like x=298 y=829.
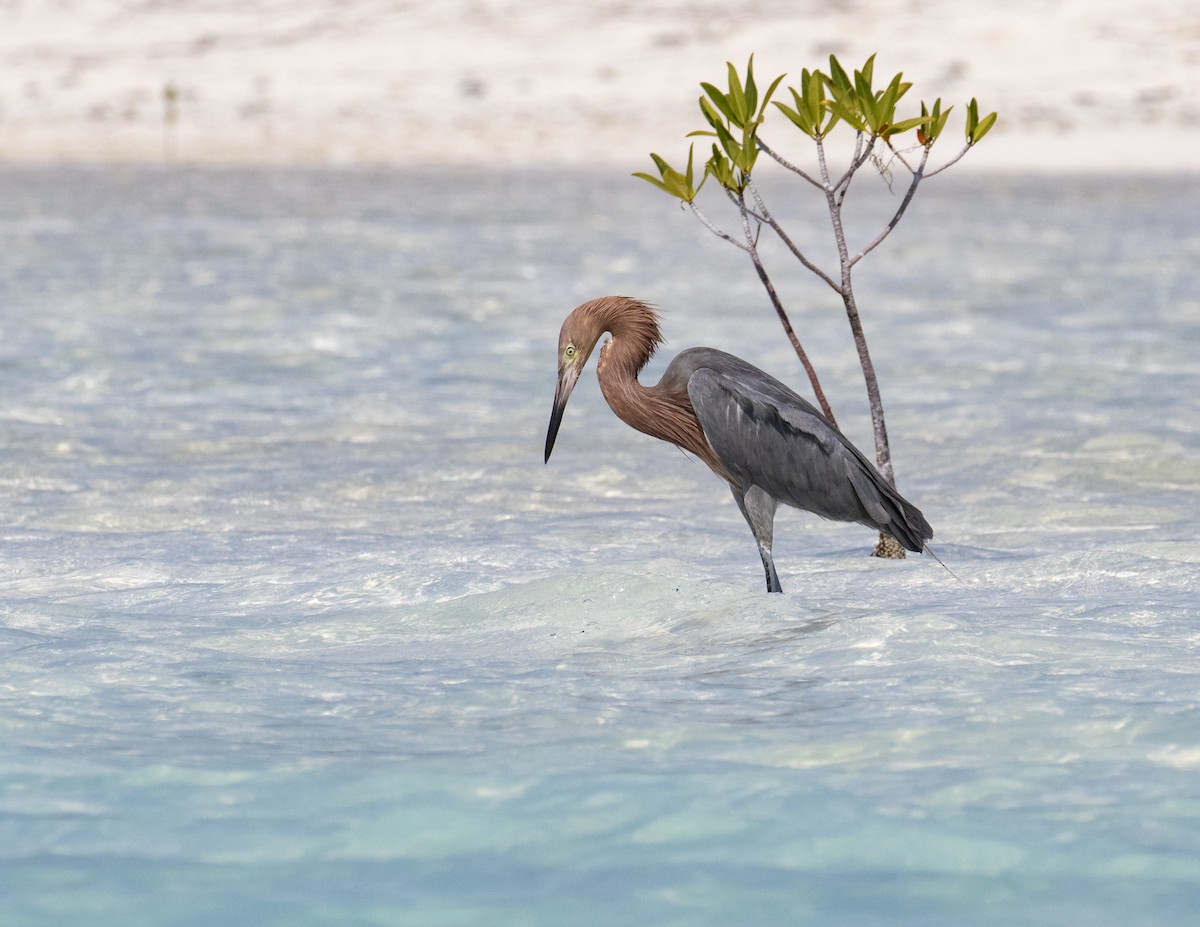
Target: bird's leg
x=769 y=566
x=758 y=508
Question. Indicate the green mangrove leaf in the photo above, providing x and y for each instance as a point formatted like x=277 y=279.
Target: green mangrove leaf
x=839 y=80
x=799 y=116
x=720 y=100
x=770 y=93
x=972 y=117
x=984 y=126
x=751 y=91
x=907 y=125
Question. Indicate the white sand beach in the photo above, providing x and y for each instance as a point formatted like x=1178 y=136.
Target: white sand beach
x=1080 y=85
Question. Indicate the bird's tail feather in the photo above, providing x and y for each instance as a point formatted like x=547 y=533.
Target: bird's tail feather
x=929 y=550
x=906 y=523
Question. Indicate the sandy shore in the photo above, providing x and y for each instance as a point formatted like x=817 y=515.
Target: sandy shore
x=1079 y=84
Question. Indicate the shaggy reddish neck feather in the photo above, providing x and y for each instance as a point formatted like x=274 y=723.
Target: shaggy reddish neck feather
x=662 y=411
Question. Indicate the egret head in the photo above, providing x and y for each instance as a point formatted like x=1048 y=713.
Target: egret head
x=635 y=335
x=576 y=340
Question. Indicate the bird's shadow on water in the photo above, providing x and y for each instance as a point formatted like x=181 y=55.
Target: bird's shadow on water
x=651 y=600
x=698 y=652
x=606 y=623
x=755 y=622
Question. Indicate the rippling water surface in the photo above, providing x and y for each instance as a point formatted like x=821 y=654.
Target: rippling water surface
x=296 y=628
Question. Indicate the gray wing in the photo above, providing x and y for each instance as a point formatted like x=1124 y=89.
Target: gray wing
x=770 y=437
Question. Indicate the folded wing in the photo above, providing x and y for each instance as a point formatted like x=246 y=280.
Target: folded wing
x=768 y=436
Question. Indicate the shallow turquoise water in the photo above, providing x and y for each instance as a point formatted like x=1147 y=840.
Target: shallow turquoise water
x=296 y=627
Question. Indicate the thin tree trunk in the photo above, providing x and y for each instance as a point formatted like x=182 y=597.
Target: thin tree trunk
x=752 y=250
x=883 y=453
x=886 y=546
x=787 y=327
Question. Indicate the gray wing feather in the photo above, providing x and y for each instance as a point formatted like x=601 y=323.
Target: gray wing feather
x=768 y=436
x=768 y=439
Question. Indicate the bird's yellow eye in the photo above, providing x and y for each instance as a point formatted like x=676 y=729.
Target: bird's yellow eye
x=569 y=352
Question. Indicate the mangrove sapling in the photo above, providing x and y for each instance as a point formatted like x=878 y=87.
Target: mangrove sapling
x=735 y=117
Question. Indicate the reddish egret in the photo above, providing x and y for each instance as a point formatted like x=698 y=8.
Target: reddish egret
x=769 y=444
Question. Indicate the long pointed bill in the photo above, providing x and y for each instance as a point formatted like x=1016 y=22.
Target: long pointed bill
x=567 y=376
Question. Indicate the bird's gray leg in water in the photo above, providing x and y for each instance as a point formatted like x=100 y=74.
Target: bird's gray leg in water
x=758 y=508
